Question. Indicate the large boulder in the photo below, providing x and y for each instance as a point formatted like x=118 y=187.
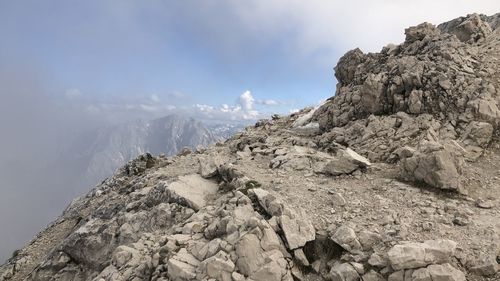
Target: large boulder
x=419 y=32
x=191 y=191
x=346 y=238
x=468 y=29
x=346 y=161
x=297 y=230
x=478 y=134
x=182 y=266
x=209 y=165
x=437 y=165
x=415 y=255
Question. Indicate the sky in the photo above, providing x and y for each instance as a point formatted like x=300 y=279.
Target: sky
x=67 y=66
x=210 y=58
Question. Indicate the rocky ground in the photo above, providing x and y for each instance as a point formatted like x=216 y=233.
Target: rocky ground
x=394 y=178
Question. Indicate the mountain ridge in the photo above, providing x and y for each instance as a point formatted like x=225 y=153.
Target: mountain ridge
x=393 y=178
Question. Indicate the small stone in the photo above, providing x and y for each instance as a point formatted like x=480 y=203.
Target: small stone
x=427 y=226
x=484 y=204
x=346 y=238
x=461 y=220
x=300 y=257
x=368 y=239
x=338 y=199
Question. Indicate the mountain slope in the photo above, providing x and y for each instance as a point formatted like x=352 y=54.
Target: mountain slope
x=101 y=152
x=291 y=199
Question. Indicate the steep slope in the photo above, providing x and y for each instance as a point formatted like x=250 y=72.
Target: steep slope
x=101 y=152
x=290 y=199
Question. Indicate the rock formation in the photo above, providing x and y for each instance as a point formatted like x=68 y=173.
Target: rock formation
x=394 y=178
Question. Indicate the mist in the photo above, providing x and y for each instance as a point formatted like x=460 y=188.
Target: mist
x=34 y=130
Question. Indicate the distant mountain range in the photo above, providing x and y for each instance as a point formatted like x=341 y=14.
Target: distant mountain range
x=97 y=154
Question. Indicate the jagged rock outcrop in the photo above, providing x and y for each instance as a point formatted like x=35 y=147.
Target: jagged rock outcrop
x=286 y=200
x=441 y=84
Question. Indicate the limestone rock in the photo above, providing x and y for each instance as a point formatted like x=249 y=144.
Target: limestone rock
x=297 y=231
x=310 y=129
x=478 y=133
x=373 y=276
x=209 y=166
x=344 y=272
x=419 y=32
x=346 y=161
x=191 y=190
x=438 y=272
x=346 y=238
x=415 y=255
x=438 y=166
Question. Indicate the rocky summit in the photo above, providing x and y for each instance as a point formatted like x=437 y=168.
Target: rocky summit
x=394 y=178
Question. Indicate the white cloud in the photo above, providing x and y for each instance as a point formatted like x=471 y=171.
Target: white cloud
x=169 y=107
x=155 y=98
x=246 y=101
x=204 y=108
x=269 y=102
x=73 y=93
x=148 y=108
x=325 y=29
x=243 y=109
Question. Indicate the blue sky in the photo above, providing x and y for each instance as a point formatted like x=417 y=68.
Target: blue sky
x=148 y=58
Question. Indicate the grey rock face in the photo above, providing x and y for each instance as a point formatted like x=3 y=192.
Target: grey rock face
x=415 y=255
x=440 y=85
x=437 y=165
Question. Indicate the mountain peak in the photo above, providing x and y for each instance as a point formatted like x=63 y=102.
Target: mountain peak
x=393 y=178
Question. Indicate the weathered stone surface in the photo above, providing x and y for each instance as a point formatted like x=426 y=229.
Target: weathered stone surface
x=478 y=133
x=250 y=254
x=191 y=190
x=269 y=202
x=344 y=272
x=468 y=29
x=209 y=165
x=373 y=276
x=419 y=32
x=438 y=166
x=397 y=276
x=346 y=238
x=415 y=255
x=346 y=161
x=310 y=129
x=368 y=239
x=441 y=272
x=297 y=231
x=300 y=257
x=179 y=270
x=486 y=266
x=219 y=266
